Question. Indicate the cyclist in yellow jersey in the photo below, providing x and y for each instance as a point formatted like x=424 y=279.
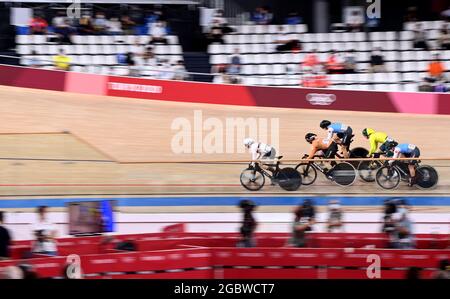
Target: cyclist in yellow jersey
x=376 y=138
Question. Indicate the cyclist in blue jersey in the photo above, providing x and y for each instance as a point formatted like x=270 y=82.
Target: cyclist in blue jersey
x=407 y=150
x=342 y=132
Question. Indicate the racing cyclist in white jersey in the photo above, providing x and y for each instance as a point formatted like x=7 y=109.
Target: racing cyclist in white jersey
x=261 y=151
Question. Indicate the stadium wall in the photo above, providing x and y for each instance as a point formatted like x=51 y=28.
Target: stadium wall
x=305 y=98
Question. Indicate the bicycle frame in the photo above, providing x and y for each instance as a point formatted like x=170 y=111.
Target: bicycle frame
x=402 y=172
x=316 y=166
x=265 y=172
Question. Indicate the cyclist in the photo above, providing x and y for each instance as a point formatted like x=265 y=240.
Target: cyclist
x=376 y=138
x=320 y=146
x=407 y=150
x=261 y=151
x=343 y=134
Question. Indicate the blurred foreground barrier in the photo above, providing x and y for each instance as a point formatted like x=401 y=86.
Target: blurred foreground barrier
x=233 y=263
x=215 y=256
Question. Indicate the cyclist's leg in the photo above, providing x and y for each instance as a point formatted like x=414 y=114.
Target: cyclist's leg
x=267 y=161
x=272 y=156
x=413 y=163
x=320 y=153
x=346 y=140
x=271 y=166
x=331 y=152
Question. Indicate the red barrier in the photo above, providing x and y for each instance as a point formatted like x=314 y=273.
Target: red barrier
x=306 y=98
x=166 y=241
x=32 y=78
x=205 y=255
x=241 y=263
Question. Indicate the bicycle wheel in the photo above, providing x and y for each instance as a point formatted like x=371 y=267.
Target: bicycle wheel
x=343 y=174
x=359 y=152
x=289 y=179
x=307 y=172
x=368 y=169
x=252 y=179
x=388 y=177
x=427 y=177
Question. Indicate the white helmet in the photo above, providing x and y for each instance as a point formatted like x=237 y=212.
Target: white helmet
x=248 y=141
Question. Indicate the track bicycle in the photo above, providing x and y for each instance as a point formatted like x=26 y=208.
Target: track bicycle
x=253 y=177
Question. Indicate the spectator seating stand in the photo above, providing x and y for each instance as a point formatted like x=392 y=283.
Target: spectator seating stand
x=262 y=65
x=93 y=53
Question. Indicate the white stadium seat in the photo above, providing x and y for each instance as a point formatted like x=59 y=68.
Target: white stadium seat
x=406 y=35
x=39 y=39
x=24 y=49
x=23 y=39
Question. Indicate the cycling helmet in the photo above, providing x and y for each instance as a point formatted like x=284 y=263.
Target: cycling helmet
x=391 y=145
x=248 y=141
x=324 y=124
x=310 y=137
x=367 y=132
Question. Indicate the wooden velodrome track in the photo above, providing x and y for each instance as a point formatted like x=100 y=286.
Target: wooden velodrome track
x=106 y=129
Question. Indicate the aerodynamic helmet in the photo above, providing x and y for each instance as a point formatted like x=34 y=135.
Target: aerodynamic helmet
x=367 y=132
x=325 y=123
x=310 y=137
x=248 y=142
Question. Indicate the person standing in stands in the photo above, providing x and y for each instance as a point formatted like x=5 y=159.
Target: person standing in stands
x=355 y=22
x=334 y=216
x=419 y=39
x=403 y=224
x=444 y=38
x=377 y=61
x=38 y=25
x=249 y=223
x=85 y=26
x=234 y=67
x=350 y=62
x=114 y=27
x=262 y=16
x=158 y=32
x=390 y=208
x=284 y=42
x=127 y=25
x=311 y=62
x=62 y=61
x=45 y=234
x=100 y=23
x=303 y=222
x=58 y=20
x=216 y=33
x=5 y=239
x=436 y=69
x=334 y=63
